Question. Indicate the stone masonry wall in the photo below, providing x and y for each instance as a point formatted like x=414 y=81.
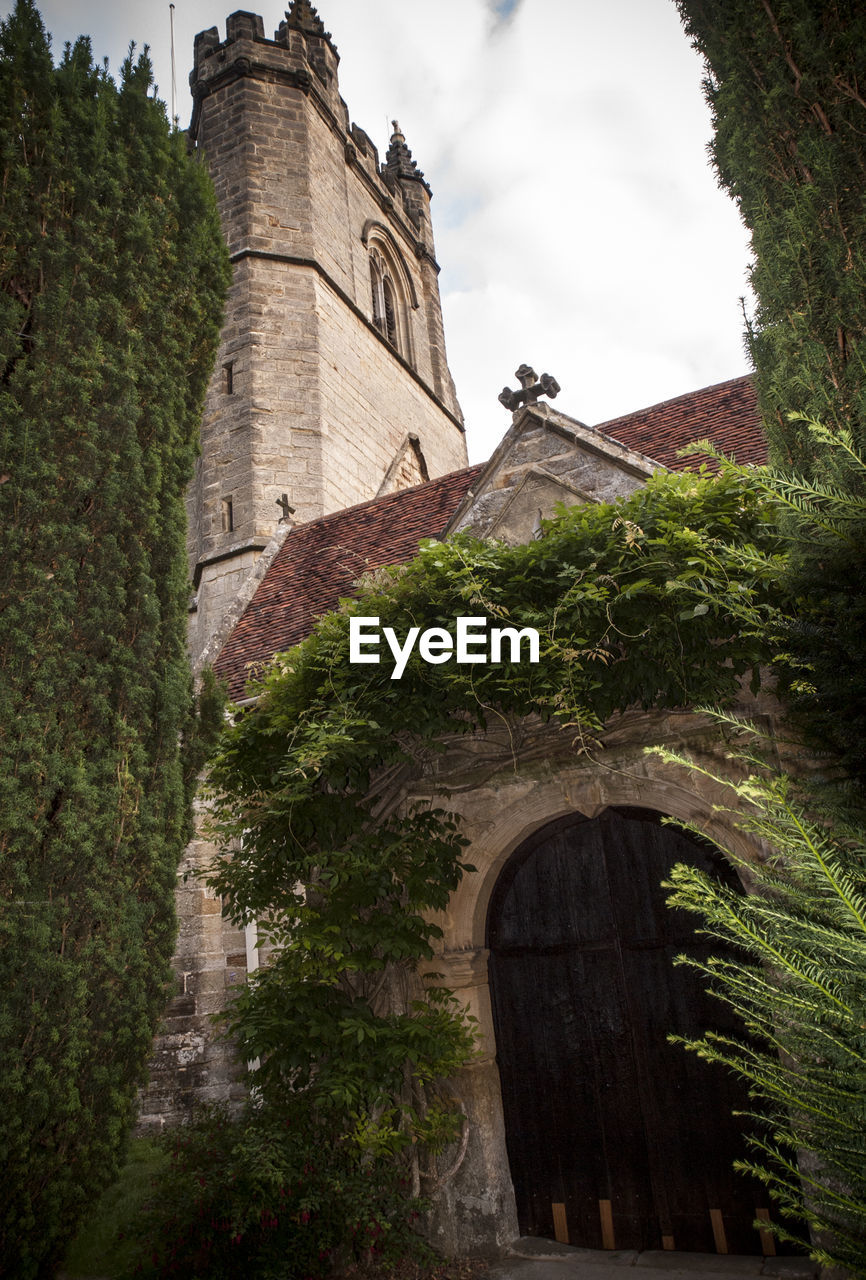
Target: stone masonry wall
x=190 y=1063
x=547 y=458
x=368 y=397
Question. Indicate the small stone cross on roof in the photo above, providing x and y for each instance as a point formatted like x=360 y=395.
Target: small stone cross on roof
x=288 y=512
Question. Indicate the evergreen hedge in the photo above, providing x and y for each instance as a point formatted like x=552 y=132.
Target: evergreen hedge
x=112 y=280
x=786 y=82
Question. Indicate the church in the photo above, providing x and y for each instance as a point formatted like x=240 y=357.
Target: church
x=332 y=441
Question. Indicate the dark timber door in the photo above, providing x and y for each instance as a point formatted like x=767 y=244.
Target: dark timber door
x=632 y=1138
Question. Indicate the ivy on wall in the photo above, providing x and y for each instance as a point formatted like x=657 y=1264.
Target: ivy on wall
x=637 y=603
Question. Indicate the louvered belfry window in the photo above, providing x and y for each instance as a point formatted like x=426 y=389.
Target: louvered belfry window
x=388 y=308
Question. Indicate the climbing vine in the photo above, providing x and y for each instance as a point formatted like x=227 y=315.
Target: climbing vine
x=636 y=603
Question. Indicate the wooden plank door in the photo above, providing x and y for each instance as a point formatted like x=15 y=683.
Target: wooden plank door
x=632 y=1138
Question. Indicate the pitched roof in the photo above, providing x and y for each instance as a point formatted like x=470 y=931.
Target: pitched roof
x=319 y=562
x=727 y=413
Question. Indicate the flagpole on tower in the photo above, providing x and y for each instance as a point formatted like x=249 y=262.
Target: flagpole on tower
x=173 y=75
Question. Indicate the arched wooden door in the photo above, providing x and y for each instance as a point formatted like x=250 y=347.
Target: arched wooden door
x=614 y=1135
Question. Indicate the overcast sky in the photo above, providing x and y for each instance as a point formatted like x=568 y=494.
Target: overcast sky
x=578 y=223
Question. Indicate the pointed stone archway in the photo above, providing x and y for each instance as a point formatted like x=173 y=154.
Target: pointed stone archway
x=509 y=793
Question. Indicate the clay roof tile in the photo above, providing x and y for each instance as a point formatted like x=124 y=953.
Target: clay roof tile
x=320 y=561
x=726 y=413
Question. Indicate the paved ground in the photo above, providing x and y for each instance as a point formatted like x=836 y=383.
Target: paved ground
x=535 y=1259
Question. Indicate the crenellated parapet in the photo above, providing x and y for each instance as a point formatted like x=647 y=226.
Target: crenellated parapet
x=303 y=57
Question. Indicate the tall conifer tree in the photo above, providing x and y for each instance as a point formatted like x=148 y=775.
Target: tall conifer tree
x=112 y=278
x=786 y=82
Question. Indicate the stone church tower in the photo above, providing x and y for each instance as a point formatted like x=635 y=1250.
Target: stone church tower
x=331 y=388
x=332 y=385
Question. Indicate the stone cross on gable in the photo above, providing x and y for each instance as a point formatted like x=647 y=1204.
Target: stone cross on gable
x=531 y=389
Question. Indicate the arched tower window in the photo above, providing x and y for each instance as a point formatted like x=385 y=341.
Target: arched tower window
x=390 y=312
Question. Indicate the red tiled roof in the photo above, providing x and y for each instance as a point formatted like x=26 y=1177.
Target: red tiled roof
x=726 y=413
x=318 y=563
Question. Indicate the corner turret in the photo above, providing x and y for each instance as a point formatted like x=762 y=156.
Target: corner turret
x=399 y=161
x=320 y=50
x=303 y=17
x=401 y=171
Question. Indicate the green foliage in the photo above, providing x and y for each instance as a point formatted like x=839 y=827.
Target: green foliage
x=107 y=1244
x=801 y=991
x=785 y=84
x=814 y=620
x=112 y=275
x=784 y=81
x=820 y=635
x=280 y=1193
x=345 y=883
x=802 y=994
